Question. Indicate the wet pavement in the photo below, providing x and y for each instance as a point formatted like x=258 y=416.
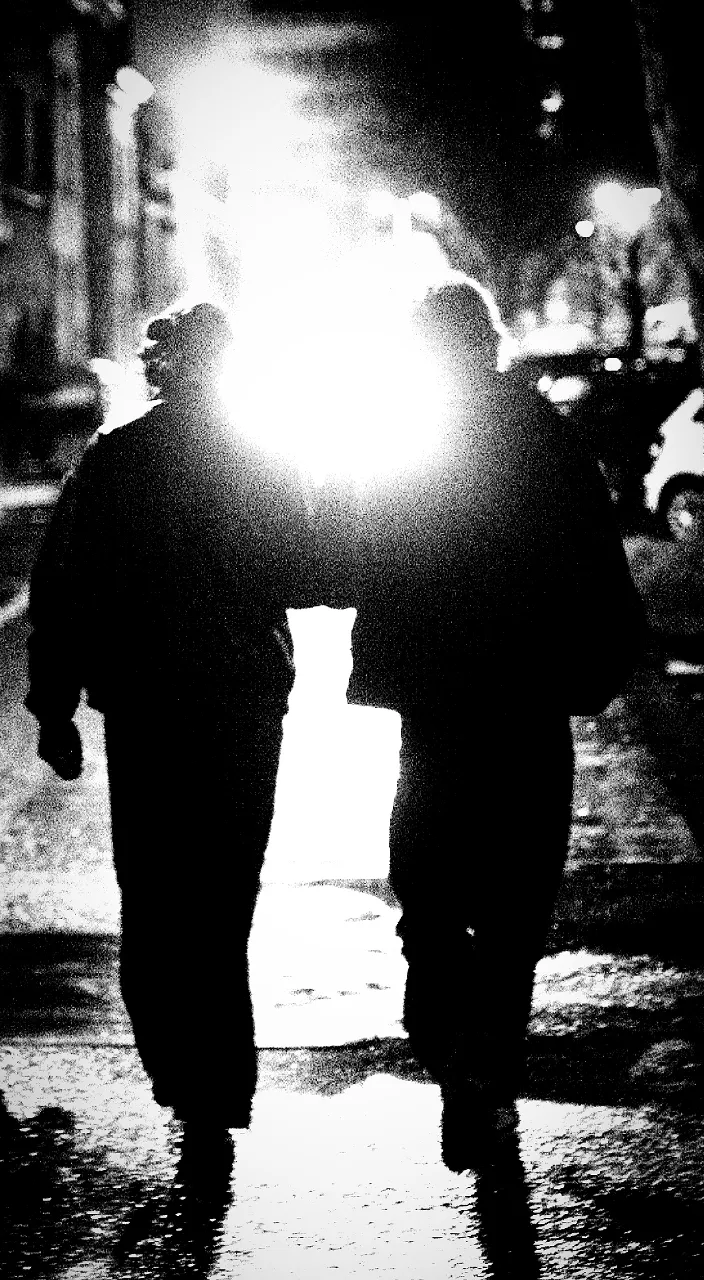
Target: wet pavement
x=338 y=1176
x=341 y=1172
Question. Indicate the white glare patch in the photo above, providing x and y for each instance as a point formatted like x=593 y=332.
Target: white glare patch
x=613 y=364
x=323 y=370
x=625 y=208
x=381 y=204
x=425 y=206
x=564 y=390
x=134 y=85
x=584 y=228
x=348 y=395
x=123 y=390
x=557 y=311
x=553 y=102
x=671 y=321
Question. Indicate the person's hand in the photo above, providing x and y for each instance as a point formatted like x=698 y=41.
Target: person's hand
x=60 y=746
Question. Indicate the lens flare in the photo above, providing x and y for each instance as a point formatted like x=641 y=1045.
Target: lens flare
x=335 y=397
x=324 y=370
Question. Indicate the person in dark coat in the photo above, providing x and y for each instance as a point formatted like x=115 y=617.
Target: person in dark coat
x=161 y=590
x=493 y=602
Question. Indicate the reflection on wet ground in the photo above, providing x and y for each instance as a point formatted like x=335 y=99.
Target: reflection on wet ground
x=67 y=1206
x=179 y=1229
x=341 y=1173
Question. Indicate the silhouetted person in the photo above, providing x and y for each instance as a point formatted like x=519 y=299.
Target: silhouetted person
x=161 y=591
x=493 y=601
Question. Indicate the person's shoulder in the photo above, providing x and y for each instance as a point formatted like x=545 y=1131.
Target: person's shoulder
x=117 y=435
x=114 y=442
x=113 y=450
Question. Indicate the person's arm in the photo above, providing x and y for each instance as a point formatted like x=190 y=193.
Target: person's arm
x=57 y=640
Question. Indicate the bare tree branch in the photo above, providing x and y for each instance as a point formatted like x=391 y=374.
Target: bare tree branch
x=671 y=58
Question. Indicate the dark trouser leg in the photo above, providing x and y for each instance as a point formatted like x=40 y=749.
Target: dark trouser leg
x=192 y=805
x=479 y=836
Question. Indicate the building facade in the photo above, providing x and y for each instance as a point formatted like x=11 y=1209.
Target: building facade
x=72 y=209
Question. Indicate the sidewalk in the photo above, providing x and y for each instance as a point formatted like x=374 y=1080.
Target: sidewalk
x=623 y=974
x=341 y=1172
x=340 y=1175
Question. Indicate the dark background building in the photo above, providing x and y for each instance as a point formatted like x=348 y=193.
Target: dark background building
x=69 y=216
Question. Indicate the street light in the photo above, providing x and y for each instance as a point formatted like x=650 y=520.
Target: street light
x=425 y=207
x=136 y=88
x=625 y=210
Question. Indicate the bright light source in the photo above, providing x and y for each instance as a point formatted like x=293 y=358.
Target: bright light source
x=382 y=204
x=627 y=210
x=557 y=311
x=610 y=198
x=425 y=206
x=670 y=322
x=324 y=370
x=553 y=339
x=613 y=364
x=134 y=85
x=550 y=42
x=553 y=102
x=544 y=383
x=565 y=390
x=352 y=395
x=584 y=228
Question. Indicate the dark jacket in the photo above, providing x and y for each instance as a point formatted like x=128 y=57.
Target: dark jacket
x=166 y=572
x=497 y=573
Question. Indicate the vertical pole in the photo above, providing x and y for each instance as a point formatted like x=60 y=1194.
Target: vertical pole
x=97 y=160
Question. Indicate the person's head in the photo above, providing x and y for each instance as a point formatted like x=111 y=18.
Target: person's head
x=183 y=349
x=461 y=324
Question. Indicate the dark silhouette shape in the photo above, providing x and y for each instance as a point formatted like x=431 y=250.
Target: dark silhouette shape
x=161 y=589
x=491 y=591
x=506 y=1228
x=483 y=1139
x=179 y=1233
x=39 y=1225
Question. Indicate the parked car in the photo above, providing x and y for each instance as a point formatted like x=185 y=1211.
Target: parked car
x=618 y=408
x=674 y=485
